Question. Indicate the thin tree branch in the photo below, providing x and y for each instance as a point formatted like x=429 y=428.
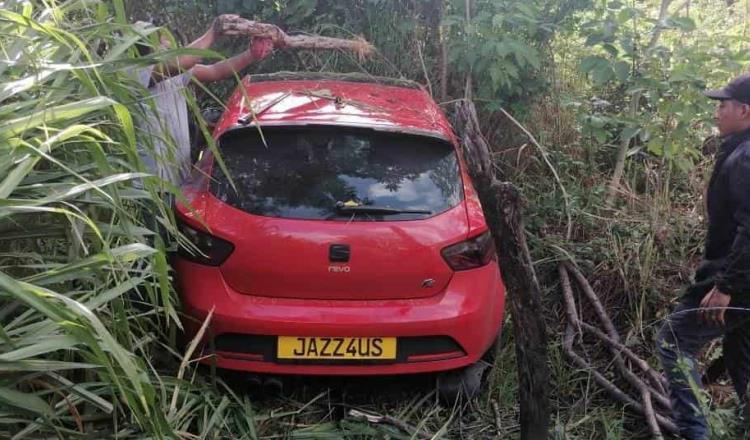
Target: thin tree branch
x=656 y=379
x=616 y=392
x=545 y=157
x=646 y=408
x=424 y=68
x=594 y=299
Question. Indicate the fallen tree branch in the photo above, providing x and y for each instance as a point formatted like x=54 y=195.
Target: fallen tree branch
x=650 y=414
x=656 y=379
x=236 y=25
x=613 y=390
x=614 y=336
x=646 y=392
x=594 y=300
x=570 y=308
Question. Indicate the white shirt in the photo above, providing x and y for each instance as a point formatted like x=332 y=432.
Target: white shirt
x=168 y=125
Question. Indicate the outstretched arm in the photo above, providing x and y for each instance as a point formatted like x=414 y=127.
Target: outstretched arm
x=260 y=48
x=205 y=41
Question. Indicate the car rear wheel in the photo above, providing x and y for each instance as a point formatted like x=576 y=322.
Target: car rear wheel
x=467 y=382
x=464 y=383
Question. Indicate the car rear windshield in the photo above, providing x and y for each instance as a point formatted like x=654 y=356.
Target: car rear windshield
x=336 y=173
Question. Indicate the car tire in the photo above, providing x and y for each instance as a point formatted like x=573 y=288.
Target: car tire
x=468 y=381
x=464 y=383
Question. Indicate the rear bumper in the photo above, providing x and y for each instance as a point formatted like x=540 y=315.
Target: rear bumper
x=469 y=310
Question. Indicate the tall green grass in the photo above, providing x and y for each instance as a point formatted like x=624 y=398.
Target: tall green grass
x=73 y=353
x=77 y=358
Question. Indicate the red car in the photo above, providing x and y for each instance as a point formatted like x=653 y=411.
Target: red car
x=339 y=234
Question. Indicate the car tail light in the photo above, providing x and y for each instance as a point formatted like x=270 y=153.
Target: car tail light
x=472 y=253
x=204 y=248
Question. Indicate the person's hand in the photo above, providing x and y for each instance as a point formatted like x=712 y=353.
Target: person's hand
x=261 y=48
x=713 y=306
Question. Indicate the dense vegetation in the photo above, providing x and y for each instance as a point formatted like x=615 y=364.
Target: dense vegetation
x=610 y=89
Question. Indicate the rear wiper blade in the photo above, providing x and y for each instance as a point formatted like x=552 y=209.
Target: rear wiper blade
x=381 y=210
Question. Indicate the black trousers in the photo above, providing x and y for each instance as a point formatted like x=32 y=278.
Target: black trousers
x=680 y=340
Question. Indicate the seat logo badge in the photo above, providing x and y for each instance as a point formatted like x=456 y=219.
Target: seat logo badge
x=339 y=269
x=429 y=282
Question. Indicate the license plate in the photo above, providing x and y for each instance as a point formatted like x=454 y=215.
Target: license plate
x=293 y=347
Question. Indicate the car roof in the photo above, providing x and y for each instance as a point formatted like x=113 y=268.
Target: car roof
x=334 y=99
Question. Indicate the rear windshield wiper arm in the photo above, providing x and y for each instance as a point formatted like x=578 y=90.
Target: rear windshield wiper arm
x=382 y=210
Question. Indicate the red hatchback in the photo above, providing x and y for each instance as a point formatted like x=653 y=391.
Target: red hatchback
x=340 y=234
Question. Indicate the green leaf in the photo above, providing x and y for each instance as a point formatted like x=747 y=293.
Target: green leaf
x=47 y=116
x=103 y=298
x=532 y=57
x=655 y=146
x=594 y=38
x=43 y=366
x=593 y=62
x=622 y=71
x=47 y=345
x=498 y=20
x=685 y=24
x=611 y=49
x=501 y=49
x=627 y=45
x=79 y=268
x=80 y=390
x=625 y=14
x=602 y=74
x=120 y=15
x=25 y=401
x=67 y=311
x=628 y=133
x=14 y=178
x=13 y=88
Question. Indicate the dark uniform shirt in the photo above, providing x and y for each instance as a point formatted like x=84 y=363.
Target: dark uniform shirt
x=726 y=261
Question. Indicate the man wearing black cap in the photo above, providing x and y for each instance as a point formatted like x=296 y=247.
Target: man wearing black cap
x=711 y=307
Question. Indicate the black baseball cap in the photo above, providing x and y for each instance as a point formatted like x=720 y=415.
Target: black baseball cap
x=737 y=89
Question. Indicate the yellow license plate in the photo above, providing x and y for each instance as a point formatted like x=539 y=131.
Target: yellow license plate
x=294 y=347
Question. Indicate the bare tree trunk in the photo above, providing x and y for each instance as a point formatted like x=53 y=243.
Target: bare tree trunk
x=502 y=208
x=502 y=203
x=442 y=41
x=468 y=86
x=443 y=66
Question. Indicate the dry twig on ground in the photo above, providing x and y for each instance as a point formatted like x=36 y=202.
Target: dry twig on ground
x=647 y=392
x=388 y=420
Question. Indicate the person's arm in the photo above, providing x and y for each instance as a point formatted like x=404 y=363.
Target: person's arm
x=205 y=41
x=260 y=48
x=734 y=280
x=732 y=284
x=186 y=62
